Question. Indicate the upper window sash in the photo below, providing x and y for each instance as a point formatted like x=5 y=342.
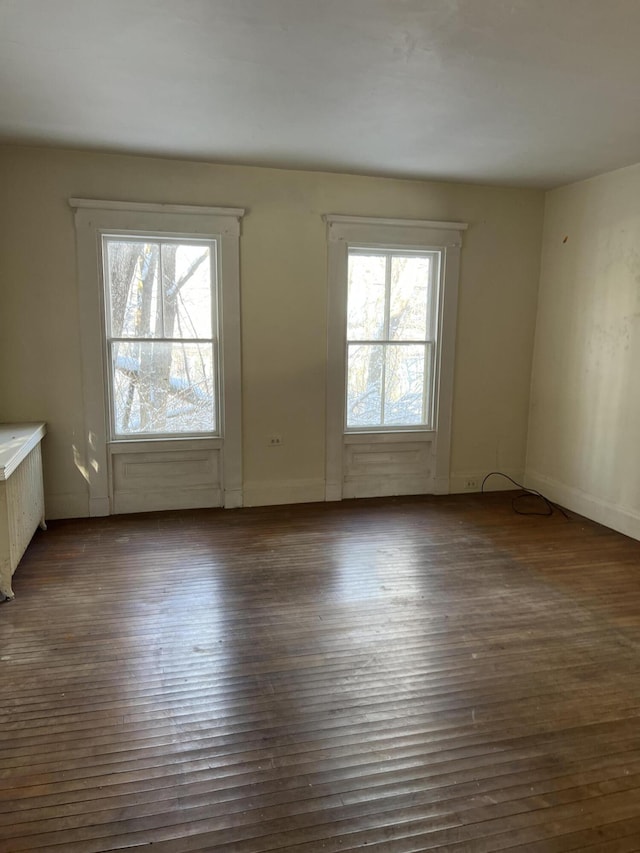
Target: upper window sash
x=431 y=304
x=159 y=239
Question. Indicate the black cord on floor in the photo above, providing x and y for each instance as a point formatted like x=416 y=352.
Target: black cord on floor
x=549 y=506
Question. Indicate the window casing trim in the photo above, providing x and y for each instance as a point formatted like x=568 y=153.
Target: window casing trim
x=344 y=221
x=150 y=207
x=401 y=234
x=94 y=218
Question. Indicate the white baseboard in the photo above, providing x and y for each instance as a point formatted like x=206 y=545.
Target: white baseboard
x=99 y=507
x=233 y=498
x=371 y=487
x=66 y=506
x=333 y=492
x=458 y=482
x=623 y=519
x=270 y=493
x=441 y=486
x=381 y=486
x=165 y=499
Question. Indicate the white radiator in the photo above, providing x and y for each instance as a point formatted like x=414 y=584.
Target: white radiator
x=21 y=495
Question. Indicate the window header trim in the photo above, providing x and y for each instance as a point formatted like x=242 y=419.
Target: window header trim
x=343 y=219
x=149 y=207
x=414 y=233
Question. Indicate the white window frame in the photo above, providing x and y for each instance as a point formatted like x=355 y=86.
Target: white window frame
x=212 y=243
x=344 y=232
x=428 y=393
x=95 y=218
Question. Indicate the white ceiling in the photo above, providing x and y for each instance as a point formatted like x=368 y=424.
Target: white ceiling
x=523 y=92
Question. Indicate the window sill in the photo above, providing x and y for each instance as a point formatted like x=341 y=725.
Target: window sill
x=391 y=437
x=142 y=445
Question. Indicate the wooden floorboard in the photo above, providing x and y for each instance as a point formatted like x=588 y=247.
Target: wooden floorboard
x=394 y=675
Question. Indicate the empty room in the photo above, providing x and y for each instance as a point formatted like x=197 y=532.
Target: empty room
x=319 y=426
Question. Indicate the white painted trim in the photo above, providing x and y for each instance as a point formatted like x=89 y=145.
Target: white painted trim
x=336 y=368
x=370 y=487
x=94 y=218
x=271 y=493
x=125 y=502
x=16 y=443
x=230 y=370
x=333 y=492
x=398 y=437
x=441 y=486
x=418 y=234
x=233 y=498
x=99 y=506
x=95 y=461
x=621 y=518
x=339 y=219
x=144 y=207
x=176 y=443
x=445 y=361
x=343 y=232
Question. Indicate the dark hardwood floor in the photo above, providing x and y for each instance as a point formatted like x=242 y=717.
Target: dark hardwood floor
x=392 y=675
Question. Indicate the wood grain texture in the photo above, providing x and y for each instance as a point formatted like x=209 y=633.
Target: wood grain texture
x=394 y=675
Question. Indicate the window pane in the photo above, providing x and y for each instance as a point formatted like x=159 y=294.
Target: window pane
x=186 y=286
x=409 y=298
x=364 y=385
x=132 y=273
x=404 y=385
x=163 y=387
x=366 y=295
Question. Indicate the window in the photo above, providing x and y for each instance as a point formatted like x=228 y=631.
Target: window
x=391 y=338
x=161 y=336
x=159 y=300
x=391 y=329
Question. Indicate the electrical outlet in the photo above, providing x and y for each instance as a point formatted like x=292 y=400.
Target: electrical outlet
x=275 y=440
x=470 y=484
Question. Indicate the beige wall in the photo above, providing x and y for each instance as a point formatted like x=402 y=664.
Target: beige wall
x=283 y=275
x=584 y=435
